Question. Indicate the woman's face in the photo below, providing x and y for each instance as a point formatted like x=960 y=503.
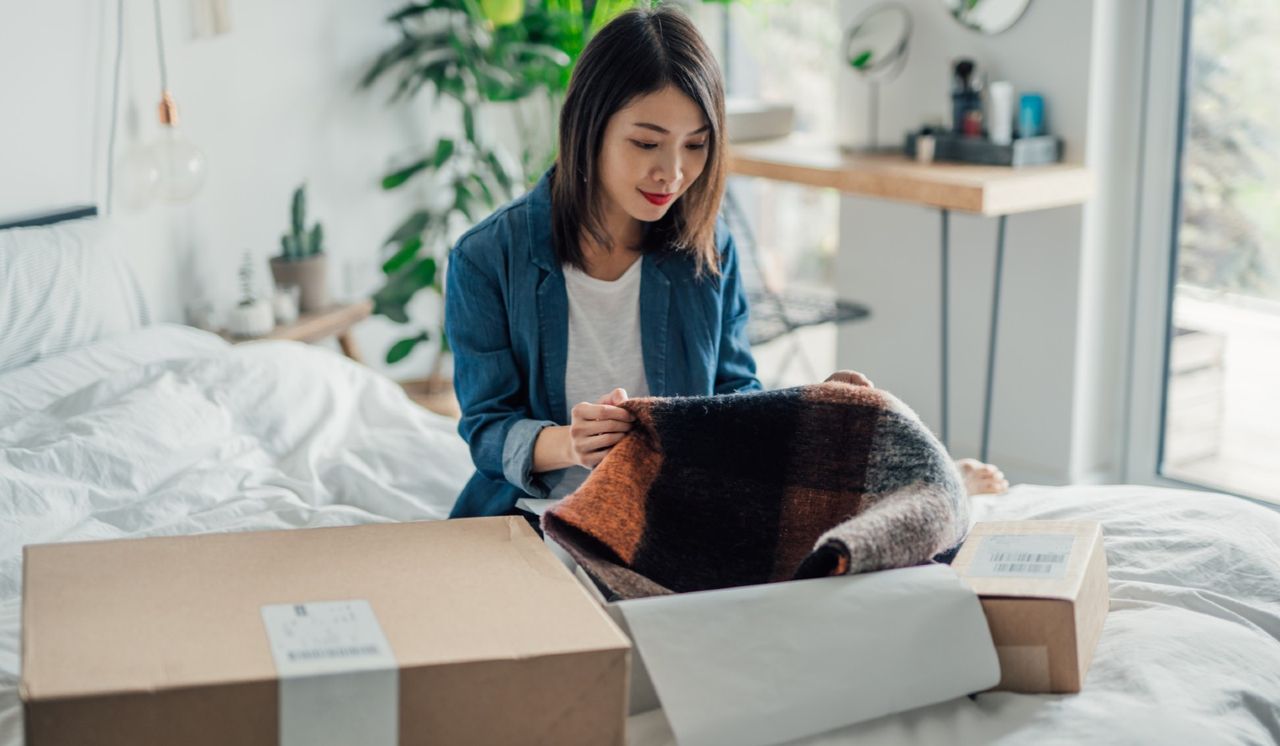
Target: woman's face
x=653 y=151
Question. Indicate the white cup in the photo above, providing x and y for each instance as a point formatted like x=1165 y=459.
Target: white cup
x=924 y=148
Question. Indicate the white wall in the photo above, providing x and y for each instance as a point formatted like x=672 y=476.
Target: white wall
x=273 y=103
x=1058 y=371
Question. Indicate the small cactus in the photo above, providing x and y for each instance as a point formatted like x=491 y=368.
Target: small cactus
x=299 y=243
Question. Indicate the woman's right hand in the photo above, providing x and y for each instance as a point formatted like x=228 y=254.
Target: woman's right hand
x=850 y=376
x=595 y=428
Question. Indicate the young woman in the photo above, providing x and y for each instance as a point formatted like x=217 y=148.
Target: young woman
x=611 y=278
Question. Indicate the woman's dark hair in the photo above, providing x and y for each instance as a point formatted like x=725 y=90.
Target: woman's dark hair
x=640 y=52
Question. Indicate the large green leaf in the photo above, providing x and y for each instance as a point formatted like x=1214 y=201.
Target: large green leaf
x=463 y=199
x=499 y=171
x=444 y=149
x=424 y=272
x=393 y=309
x=483 y=187
x=400 y=350
x=399 y=177
x=402 y=256
x=403 y=50
x=414 y=225
x=392 y=298
x=469 y=123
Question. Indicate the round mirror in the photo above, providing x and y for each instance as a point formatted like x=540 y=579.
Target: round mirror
x=877 y=42
x=987 y=16
x=876 y=48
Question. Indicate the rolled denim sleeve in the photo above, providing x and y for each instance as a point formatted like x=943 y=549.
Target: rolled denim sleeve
x=517 y=456
x=735 y=367
x=491 y=392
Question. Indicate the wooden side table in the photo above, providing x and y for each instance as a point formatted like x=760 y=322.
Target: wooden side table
x=435 y=395
x=993 y=191
x=335 y=321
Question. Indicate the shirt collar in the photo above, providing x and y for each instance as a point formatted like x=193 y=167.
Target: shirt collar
x=541 y=249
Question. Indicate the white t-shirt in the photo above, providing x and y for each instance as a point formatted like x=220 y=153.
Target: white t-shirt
x=604 y=346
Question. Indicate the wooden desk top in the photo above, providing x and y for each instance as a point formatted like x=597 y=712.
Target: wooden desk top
x=986 y=190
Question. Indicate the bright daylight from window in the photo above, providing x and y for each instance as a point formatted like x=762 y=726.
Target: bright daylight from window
x=1222 y=422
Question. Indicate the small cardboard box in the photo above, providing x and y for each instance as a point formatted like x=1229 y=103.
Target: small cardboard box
x=1043 y=587
x=465 y=631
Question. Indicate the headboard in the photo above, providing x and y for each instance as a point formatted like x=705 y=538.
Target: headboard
x=49 y=218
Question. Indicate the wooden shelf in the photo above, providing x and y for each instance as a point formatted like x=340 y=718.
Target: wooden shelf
x=318 y=325
x=335 y=321
x=985 y=190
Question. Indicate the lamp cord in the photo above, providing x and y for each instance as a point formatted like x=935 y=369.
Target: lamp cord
x=115 y=106
x=164 y=71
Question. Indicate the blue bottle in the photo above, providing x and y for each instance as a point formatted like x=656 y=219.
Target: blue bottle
x=1030 y=115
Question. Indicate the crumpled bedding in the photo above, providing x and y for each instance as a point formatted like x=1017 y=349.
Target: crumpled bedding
x=1189 y=654
x=169 y=430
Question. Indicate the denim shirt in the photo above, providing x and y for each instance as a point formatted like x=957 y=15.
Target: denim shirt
x=507 y=319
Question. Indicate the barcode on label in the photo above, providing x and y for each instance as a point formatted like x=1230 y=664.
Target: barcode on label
x=1039 y=556
x=320 y=653
x=1027 y=557
x=1029 y=568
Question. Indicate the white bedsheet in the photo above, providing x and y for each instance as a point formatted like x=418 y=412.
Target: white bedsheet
x=172 y=431
x=169 y=431
x=1190 y=653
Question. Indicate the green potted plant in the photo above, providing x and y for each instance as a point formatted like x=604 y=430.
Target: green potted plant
x=302 y=259
x=485 y=55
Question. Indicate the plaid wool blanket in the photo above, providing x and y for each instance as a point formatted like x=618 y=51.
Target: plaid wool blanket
x=720 y=491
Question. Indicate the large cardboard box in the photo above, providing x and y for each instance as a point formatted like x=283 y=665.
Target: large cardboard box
x=457 y=632
x=1043 y=587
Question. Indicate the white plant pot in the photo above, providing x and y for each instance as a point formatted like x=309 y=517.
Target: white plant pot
x=252 y=319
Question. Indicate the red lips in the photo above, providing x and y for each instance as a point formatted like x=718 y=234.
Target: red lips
x=658 y=199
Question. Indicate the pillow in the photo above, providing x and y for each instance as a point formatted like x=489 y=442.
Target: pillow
x=63 y=286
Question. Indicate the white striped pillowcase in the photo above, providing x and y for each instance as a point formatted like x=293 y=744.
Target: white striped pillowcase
x=63 y=286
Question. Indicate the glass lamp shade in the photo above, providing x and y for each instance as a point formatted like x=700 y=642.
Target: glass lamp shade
x=181 y=165
x=139 y=178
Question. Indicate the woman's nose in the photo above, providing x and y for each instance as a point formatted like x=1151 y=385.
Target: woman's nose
x=668 y=169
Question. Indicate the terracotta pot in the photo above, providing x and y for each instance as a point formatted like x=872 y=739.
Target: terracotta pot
x=310 y=275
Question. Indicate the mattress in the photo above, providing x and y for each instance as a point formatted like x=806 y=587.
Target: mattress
x=168 y=430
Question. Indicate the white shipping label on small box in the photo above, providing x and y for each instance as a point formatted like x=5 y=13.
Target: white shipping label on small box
x=339 y=681
x=1023 y=556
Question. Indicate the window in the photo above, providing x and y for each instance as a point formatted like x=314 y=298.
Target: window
x=1221 y=396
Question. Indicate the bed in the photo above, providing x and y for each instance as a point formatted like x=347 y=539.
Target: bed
x=162 y=429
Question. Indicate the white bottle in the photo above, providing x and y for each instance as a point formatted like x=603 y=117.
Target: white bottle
x=1000 y=123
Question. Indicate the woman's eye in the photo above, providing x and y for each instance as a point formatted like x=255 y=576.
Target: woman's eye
x=645 y=145
x=697 y=145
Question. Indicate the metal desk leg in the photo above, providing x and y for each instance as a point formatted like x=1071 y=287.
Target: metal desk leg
x=991 y=340
x=945 y=329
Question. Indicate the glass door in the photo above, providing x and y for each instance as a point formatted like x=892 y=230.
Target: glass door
x=1221 y=395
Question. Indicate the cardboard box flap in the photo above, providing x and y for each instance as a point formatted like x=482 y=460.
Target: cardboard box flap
x=176 y=612
x=770 y=663
x=1027 y=559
